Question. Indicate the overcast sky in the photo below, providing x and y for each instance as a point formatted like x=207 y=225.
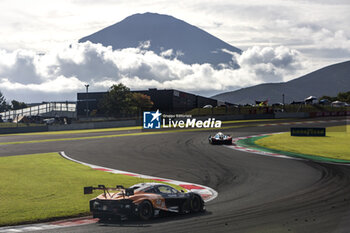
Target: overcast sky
x=36 y=64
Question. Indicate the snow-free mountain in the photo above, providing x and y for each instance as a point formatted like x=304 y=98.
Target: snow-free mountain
x=329 y=81
x=169 y=37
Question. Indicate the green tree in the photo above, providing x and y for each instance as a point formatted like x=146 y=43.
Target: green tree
x=117 y=102
x=141 y=102
x=331 y=99
x=3 y=105
x=344 y=96
x=18 y=105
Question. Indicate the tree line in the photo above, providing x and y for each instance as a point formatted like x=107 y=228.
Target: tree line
x=4 y=106
x=120 y=101
x=342 y=96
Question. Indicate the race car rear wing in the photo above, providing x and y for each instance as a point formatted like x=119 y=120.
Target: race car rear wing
x=120 y=188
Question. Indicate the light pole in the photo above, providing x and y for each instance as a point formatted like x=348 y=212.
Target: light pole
x=86 y=99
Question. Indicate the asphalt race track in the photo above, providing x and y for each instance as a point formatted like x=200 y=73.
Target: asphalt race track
x=256 y=193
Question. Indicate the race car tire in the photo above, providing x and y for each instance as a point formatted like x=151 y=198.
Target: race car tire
x=104 y=218
x=196 y=204
x=228 y=142
x=146 y=210
x=184 y=208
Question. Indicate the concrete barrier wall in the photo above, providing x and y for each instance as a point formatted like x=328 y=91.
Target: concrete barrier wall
x=279 y=115
x=238 y=117
x=95 y=125
x=221 y=117
x=259 y=116
x=23 y=129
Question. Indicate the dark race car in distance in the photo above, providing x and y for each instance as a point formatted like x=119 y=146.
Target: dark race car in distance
x=144 y=200
x=220 y=139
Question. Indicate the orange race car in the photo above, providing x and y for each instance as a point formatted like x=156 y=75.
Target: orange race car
x=144 y=200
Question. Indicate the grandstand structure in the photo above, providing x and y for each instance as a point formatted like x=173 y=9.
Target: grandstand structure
x=44 y=110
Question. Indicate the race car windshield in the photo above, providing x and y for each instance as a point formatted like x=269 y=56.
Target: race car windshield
x=136 y=187
x=139 y=187
x=167 y=190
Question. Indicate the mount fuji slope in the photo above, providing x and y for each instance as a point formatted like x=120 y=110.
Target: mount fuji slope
x=188 y=43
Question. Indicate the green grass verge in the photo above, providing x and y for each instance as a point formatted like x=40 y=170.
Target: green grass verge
x=335 y=145
x=43 y=187
x=76 y=131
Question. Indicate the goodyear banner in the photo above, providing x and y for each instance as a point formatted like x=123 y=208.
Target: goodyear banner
x=312 y=132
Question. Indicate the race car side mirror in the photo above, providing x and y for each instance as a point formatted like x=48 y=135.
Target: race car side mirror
x=129 y=192
x=88 y=190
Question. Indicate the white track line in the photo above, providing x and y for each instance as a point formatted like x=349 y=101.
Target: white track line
x=207 y=193
x=257 y=151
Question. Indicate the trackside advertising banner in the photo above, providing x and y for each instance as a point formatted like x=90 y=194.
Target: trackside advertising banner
x=157 y=120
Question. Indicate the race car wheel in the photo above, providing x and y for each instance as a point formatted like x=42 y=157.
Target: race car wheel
x=104 y=218
x=145 y=210
x=184 y=207
x=196 y=204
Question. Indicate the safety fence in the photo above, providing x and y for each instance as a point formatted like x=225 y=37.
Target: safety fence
x=51 y=109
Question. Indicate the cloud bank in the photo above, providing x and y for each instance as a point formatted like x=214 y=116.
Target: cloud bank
x=60 y=74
